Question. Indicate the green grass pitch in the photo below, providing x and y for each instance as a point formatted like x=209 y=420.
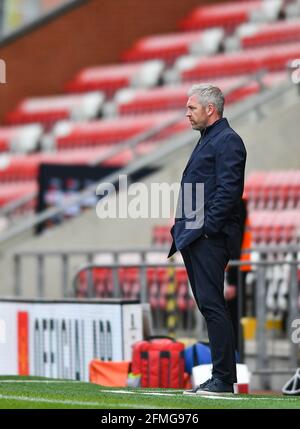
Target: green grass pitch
x=34 y=392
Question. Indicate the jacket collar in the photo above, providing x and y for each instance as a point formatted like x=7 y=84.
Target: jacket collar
x=215 y=128
x=206 y=135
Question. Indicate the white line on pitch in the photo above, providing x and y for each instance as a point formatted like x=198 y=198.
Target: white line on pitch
x=66 y=402
x=136 y=392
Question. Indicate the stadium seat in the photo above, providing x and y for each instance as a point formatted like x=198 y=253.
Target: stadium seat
x=163 y=281
x=129 y=281
x=13 y=191
x=102 y=282
x=19 y=168
x=273 y=190
x=16 y=168
x=274 y=227
x=71 y=135
x=157 y=285
x=255 y=35
x=273 y=202
x=25 y=168
x=153 y=288
x=182 y=290
x=161 y=235
x=273 y=58
x=20 y=138
x=252 y=188
x=231 y=14
x=48 y=110
x=109 y=78
x=170 y=46
x=172 y=97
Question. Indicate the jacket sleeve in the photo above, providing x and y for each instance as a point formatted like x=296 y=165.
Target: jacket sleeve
x=230 y=166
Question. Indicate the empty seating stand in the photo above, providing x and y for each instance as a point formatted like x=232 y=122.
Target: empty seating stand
x=277 y=190
x=254 y=35
x=12 y=191
x=101 y=280
x=70 y=126
x=20 y=138
x=274 y=227
x=273 y=58
x=17 y=168
x=130 y=282
x=184 y=299
x=135 y=101
x=170 y=46
x=70 y=135
x=48 y=110
x=113 y=77
x=161 y=235
x=231 y=14
x=274 y=203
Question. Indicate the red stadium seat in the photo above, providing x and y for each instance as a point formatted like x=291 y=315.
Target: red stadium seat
x=170 y=46
x=48 y=110
x=158 y=281
x=273 y=204
x=274 y=58
x=269 y=34
x=182 y=289
x=25 y=168
x=20 y=138
x=161 y=235
x=230 y=14
x=270 y=226
x=102 y=282
x=252 y=188
x=20 y=168
x=129 y=280
x=135 y=101
x=16 y=168
x=13 y=191
x=163 y=279
x=85 y=156
x=273 y=190
x=68 y=135
x=109 y=78
x=153 y=288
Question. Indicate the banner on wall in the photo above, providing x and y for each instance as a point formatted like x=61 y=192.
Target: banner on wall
x=58 y=339
x=60 y=182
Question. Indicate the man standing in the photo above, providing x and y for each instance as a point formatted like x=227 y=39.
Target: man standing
x=208 y=233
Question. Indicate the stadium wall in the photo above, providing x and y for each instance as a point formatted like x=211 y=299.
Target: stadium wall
x=40 y=60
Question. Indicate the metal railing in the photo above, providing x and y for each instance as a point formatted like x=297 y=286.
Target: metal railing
x=262 y=341
x=90 y=255
x=261 y=283
x=65 y=258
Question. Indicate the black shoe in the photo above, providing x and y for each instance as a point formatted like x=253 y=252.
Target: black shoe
x=194 y=390
x=215 y=387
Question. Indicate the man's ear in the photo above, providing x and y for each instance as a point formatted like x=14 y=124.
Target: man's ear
x=210 y=109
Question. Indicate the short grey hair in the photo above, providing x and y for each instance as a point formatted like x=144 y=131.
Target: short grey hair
x=207 y=93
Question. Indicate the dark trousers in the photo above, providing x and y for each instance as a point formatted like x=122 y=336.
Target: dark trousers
x=205 y=260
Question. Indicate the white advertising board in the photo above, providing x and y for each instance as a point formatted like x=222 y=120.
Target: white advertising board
x=59 y=338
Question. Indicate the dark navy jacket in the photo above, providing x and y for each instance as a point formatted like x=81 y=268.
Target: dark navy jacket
x=218 y=161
